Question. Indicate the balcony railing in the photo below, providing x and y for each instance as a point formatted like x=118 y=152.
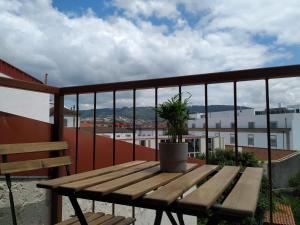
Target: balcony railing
x=234 y=77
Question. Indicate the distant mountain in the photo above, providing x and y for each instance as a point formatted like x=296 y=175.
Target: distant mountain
x=147 y=113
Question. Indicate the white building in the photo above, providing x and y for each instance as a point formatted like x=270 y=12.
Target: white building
x=284 y=123
x=69 y=117
x=196 y=143
x=33 y=105
x=146 y=138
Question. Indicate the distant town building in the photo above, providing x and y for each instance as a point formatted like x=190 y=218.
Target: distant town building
x=284 y=124
x=69 y=117
x=146 y=138
x=20 y=102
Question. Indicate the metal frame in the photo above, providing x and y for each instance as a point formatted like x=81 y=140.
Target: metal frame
x=11 y=197
x=213 y=215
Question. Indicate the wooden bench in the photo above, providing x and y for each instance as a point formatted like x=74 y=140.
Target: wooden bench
x=7 y=168
x=241 y=202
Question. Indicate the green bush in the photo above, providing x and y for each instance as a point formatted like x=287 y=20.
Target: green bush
x=227 y=157
x=295 y=181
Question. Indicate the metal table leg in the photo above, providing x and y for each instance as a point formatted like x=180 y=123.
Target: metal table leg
x=180 y=219
x=78 y=210
x=158 y=217
x=171 y=218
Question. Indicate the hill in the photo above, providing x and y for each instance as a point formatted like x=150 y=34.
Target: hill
x=147 y=113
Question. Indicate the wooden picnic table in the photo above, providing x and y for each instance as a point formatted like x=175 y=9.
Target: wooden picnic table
x=221 y=193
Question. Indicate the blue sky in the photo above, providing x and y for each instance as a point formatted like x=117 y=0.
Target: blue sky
x=106 y=9
x=83 y=42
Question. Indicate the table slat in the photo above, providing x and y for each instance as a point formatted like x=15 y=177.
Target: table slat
x=54 y=183
x=110 y=186
x=243 y=198
x=138 y=189
x=171 y=191
x=81 y=184
x=208 y=193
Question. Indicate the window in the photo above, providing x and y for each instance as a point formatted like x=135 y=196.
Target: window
x=218 y=125
x=273 y=141
x=204 y=125
x=251 y=139
x=273 y=124
x=232 y=139
x=65 y=122
x=217 y=134
x=128 y=135
x=149 y=143
x=193 y=125
x=143 y=142
x=232 y=125
x=251 y=125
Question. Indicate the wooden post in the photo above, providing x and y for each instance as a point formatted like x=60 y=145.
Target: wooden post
x=57 y=135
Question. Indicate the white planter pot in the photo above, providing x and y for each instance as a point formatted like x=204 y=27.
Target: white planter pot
x=173 y=157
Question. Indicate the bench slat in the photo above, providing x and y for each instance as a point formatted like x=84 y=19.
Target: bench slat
x=138 y=189
x=118 y=183
x=127 y=221
x=112 y=221
x=73 y=219
x=54 y=183
x=6 y=149
x=79 y=185
x=208 y=193
x=21 y=166
x=171 y=191
x=98 y=220
x=243 y=198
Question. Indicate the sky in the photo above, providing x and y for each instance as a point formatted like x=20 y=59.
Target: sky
x=90 y=41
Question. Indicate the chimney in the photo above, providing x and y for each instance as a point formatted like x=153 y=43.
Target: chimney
x=46 y=78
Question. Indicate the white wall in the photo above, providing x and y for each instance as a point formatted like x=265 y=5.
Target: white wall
x=295 y=140
x=260 y=139
x=34 y=105
x=244 y=116
x=284 y=141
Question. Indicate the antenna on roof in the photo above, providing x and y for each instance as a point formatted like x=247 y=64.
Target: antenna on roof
x=46 y=79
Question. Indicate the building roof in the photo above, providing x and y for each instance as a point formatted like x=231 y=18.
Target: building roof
x=283 y=216
x=67 y=112
x=106 y=130
x=247 y=130
x=16 y=73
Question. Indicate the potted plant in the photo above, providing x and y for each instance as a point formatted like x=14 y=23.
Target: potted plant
x=173 y=154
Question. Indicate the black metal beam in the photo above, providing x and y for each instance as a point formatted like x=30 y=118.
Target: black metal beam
x=269 y=149
x=209 y=78
x=206 y=124
x=235 y=123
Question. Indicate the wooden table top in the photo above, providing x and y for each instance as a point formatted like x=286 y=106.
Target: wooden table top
x=141 y=183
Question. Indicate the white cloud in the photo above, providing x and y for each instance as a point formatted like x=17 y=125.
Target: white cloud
x=76 y=50
x=279 y=19
x=148 y=8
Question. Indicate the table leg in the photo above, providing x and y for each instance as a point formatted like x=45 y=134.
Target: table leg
x=171 y=218
x=78 y=210
x=158 y=217
x=180 y=219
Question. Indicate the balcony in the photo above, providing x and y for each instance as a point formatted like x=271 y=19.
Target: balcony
x=91 y=151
